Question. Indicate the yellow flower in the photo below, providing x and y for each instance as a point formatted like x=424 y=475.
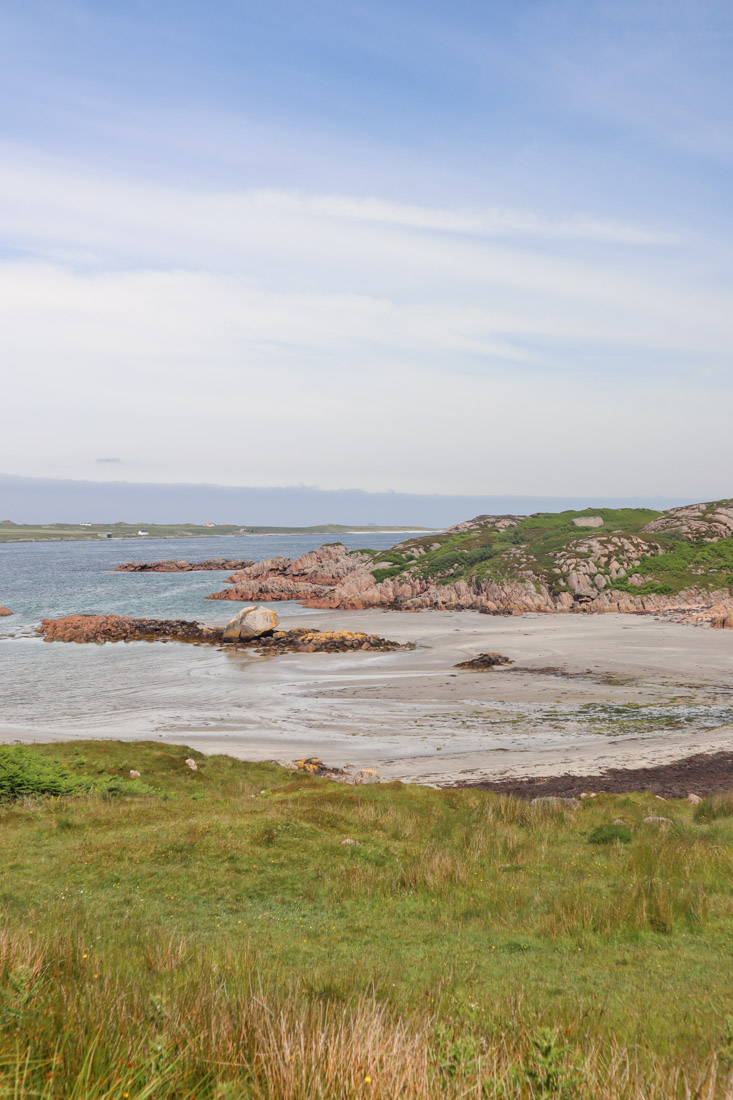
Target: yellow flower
x=367 y=1080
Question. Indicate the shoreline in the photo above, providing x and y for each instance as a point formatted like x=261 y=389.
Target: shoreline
x=584 y=694
x=296 y=532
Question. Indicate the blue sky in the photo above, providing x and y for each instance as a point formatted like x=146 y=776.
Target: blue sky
x=479 y=248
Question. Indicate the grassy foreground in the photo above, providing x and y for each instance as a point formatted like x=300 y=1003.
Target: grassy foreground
x=242 y=932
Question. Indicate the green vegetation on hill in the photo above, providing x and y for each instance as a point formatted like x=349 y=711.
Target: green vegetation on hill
x=239 y=931
x=480 y=551
x=537 y=548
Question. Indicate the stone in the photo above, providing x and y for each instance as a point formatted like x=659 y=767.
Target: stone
x=366 y=775
x=192 y=764
x=655 y=819
x=620 y=821
x=134 y=774
x=694 y=798
x=250 y=622
x=5 y=611
x=588 y=521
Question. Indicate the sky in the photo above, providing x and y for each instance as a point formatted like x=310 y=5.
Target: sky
x=477 y=248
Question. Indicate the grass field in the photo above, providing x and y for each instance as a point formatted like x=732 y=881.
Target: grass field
x=239 y=931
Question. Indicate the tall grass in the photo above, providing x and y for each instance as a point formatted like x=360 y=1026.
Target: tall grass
x=237 y=932
x=181 y=1022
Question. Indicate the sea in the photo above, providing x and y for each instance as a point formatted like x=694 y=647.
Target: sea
x=135 y=688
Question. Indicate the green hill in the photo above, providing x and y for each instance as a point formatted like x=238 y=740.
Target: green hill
x=634 y=550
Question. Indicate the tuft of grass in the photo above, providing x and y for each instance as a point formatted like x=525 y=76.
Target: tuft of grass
x=717 y=806
x=610 y=834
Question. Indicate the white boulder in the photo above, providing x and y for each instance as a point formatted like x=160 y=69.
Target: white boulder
x=250 y=622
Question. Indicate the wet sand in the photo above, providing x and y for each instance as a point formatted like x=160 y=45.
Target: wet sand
x=584 y=694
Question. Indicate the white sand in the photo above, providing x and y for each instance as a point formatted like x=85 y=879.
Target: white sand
x=413 y=716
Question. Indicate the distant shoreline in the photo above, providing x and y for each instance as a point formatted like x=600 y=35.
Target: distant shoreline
x=6 y=540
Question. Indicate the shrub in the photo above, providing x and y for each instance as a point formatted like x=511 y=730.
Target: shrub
x=610 y=834
x=25 y=773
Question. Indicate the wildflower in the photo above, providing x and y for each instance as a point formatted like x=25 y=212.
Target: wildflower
x=367 y=1080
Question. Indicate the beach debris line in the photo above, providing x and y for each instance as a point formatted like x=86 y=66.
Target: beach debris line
x=485 y=661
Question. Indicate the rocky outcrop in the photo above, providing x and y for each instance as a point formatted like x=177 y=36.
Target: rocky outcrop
x=308 y=578
x=486 y=523
x=587 y=569
x=305 y=640
x=588 y=565
x=5 y=611
x=716 y=613
x=116 y=628
x=250 y=622
x=708 y=522
x=180 y=566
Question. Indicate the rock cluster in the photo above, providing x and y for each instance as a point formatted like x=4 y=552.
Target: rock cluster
x=5 y=611
x=305 y=640
x=696 y=521
x=486 y=523
x=312 y=765
x=484 y=661
x=180 y=566
x=591 y=562
x=117 y=628
x=716 y=614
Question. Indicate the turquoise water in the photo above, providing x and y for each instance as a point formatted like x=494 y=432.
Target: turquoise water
x=133 y=688
x=48 y=579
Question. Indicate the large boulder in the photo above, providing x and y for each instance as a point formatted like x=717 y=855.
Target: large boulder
x=5 y=611
x=250 y=622
x=588 y=521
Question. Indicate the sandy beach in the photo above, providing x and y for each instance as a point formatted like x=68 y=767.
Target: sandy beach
x=584 y=693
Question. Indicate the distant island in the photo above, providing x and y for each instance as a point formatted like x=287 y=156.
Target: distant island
x=65 y=532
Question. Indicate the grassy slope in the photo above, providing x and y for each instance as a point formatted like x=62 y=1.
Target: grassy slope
x=480 y=553
x=177 y=938
x=24 y=532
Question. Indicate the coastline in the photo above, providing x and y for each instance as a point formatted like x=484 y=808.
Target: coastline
x=584 y=694
x=206 y=534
